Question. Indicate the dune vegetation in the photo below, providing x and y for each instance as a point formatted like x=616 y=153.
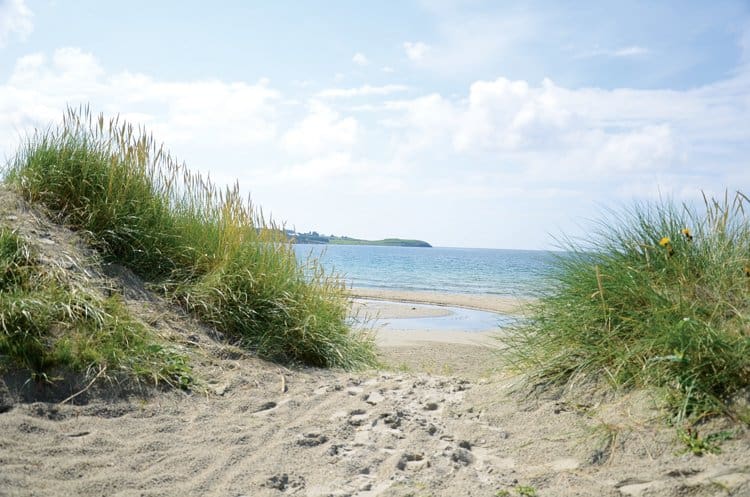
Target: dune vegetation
x=657 y=296
x=202 y=246
x=48 y=323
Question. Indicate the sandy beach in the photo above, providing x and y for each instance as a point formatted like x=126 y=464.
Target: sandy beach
x=492 y=303
x=439 y=420
x=441 y=417
x=422 y=248
x=431 y=350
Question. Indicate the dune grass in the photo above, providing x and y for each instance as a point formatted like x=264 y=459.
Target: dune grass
x=47 y=324
x=658 y=296
x=204 y=246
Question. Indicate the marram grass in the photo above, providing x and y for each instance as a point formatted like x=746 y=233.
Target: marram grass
x=205 y=246
x=658 y=296
x=46 y=325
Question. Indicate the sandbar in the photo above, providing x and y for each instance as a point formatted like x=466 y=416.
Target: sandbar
x=385 y=309
x=485 y=302
x=401 y=304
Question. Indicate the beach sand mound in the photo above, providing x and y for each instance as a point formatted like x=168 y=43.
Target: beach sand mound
x=256 y=428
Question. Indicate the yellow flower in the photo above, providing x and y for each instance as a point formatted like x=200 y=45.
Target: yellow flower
x=688 y=235
x=747 y=270
x=667 y=244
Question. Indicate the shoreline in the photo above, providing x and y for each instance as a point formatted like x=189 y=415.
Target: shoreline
x=482 y=302
x=413 y=345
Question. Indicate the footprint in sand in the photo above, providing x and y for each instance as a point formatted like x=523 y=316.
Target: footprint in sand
x=266 y=406
x=460 y=456
x=373 y=398
x=412 y=461
x=312 y=440
x=358 y=417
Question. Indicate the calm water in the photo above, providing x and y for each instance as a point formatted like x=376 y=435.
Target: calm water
x=459 y=319
x=453 y=270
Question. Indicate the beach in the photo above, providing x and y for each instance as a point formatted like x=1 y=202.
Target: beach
x=441 y=418
x=433 y=248
x=431 y=350
x=485 y=302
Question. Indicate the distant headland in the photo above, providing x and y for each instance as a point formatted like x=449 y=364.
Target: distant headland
x=315 y=238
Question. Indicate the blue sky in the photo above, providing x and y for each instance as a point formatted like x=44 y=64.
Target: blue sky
x=465 y=123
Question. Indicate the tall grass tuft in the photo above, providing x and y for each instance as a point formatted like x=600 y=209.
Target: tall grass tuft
x=206 y=246
x=46 y=324
x=657 y=296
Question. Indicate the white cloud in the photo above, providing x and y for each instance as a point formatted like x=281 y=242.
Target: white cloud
x=497 y=115
x=239 y=113
x=416 y=51
x=549 y=133
x=388 y=69
x=365 y=90
x=69 y=71
x=509 y=115
x=40 y=87
x=646 y=149
x=360 y=59
x=321 y=132
x=15 y=20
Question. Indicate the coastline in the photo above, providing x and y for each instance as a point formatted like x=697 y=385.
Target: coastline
x=438 y=351
x=482 y=302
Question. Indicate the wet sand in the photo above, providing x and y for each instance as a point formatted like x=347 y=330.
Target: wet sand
x=431 y=350
x=493 y=303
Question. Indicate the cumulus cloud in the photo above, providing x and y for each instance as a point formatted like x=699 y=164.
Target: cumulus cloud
x=322 y=131
x=500 y=114
x=548 y=132
x=40 y=87
x=416 y=51
x=15 y=20
x=69 y=71
x=511 y=114
x=647 y=149
x=365 y=90
x=360 y=59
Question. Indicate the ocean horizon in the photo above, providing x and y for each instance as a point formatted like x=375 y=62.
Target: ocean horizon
x=502 y=272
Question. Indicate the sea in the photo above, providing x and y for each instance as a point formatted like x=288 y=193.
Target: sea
x=507 y=273
x=518 y=273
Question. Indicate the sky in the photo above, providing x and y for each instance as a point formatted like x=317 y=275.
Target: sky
x=464 y=123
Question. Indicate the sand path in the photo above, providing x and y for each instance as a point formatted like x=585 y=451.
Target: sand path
x=447 y=424
x=323 y=433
